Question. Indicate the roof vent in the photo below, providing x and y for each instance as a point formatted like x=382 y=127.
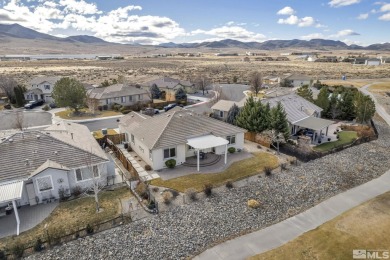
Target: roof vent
x=47 y=133
x=55 y=152
x=10 y=140
x=38 y=137
x=27 y=162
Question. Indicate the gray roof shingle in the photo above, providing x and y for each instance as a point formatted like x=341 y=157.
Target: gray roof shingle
x=39 y=80
x=117 y=90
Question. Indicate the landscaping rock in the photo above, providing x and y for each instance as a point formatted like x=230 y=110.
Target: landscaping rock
x=183 y=231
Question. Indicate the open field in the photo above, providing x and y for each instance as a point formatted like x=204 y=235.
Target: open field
x=364 y=227
x=218 y=69
x=73 y=215
x=236 y=171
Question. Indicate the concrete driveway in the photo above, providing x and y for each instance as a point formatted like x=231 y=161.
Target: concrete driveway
x=30 y=118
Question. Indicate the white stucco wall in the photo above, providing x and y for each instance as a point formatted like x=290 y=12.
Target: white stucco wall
x=59 y=179
x=84 y=184
x=159 y=161
x=300 y=83
x=141 y=149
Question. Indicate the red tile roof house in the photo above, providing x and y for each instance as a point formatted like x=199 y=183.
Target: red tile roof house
x=178 y=134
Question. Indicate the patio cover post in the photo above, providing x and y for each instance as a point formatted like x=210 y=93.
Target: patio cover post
x=17 y=217
x=197 y=159
x=225 y=153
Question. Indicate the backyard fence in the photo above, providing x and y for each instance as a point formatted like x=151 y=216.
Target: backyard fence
x=115 y=139
x=257 y=138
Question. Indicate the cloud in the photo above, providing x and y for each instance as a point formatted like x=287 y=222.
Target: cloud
x=295 y=20
x=230 y=23
x=385 y=17
x=79 y=7
x=340 y=3
x=343 y=33
x=363 y=16
x=385 y=8
x=286 y=11
x=231 y=32
x=313 y=36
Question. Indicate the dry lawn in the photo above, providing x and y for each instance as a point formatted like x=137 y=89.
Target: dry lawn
x=73 y=215
x=380 y=87
x=348 y=83
x=236 y=171
x=364 y=227
x=68 y=114
x=99 y=134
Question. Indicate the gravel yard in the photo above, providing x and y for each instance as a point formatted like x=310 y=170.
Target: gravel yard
x=186 y=230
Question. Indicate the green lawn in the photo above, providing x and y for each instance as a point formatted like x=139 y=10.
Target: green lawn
x=364 y=227
x=85 y=114
x=73 y=215
x=236 y=171
x=346 y=137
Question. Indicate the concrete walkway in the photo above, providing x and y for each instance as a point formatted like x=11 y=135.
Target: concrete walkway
x=277 y=235
x=289 y=229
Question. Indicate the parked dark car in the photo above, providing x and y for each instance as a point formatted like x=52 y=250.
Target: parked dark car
x=52 y=105
x=7 y=106
x=34 y=103
x=170 y=106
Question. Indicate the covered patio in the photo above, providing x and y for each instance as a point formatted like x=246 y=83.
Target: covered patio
x=206 y=142
x=10 y=192
x=319 y=127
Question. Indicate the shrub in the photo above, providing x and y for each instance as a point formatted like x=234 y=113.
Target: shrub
x=46 y=108
x=174 y=193
x=126 y=111
x=283 y=166
x=337 y=136
x=208 y=189
x=142 y=190
x=148 y=167
x=116 y=107
x=155 y=189
x=76 y=191
x=191 y=193
x=254 y=204
x=259 y=146
x=231 y=149
x=38 y=246
x=329 y=139
x=167 y=197
x=17 y=250
x=89 y=229
x=268 y=171
x=171 y=163
x=229 y=184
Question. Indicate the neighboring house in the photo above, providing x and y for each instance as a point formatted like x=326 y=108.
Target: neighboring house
x=299 y=80
x=222 y=107
x=271 y=80
x=41 y=88
x=38 y=166
x=169 y=135
x=123 y=94
x=373 y=62
x=359 y=61
x=170 y=85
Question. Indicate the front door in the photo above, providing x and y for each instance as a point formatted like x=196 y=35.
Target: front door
x=31 y=194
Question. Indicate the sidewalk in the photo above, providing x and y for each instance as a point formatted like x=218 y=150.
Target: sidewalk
x=55 y=119
x=277 y=235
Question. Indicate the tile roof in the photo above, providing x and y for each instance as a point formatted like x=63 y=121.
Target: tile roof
x=225 y=105
x=173 y=128
x=297 y=77
x=39 y=80
x=49 y=164
x=167 y=82
x=113 y=91
x=23 y=153
x=296 y=107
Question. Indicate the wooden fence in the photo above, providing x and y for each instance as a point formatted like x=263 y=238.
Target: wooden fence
x=115 y=139
x=257 y=138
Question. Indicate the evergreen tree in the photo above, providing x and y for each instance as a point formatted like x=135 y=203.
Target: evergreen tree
x=180 y=95
x=19 y=97
x=365 y=108
x=232 y=114
x=323 y=98
x=69 y=92
x=347 y=106
x=334 y=109
x=247 y=116
x=305 y=92
x=155 y=92
x=279 y=121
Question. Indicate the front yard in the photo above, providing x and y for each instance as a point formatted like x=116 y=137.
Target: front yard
x=86 y=114
x=345 y=137
x=364 y=227
x=238 y=170
x=71 y=216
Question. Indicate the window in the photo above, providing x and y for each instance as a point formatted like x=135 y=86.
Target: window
x=108 y=101
x=220 y=113
x=139 y=97
x=95 y=171
x=130 y=98
x=169 y=152
x=44 y=183
x=47 y=87
x=190 y=147
x=132 y=138
x=116 y=99
x=231 y=139
x=86 y=175
x=123 y=99
x=79 y=175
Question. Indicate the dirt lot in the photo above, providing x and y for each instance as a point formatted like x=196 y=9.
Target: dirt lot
x=219 y=69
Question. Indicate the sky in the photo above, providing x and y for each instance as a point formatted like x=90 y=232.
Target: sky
x=360 y=22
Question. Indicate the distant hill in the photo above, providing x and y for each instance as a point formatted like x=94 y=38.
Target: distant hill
x=18 y=31
x=86 y=39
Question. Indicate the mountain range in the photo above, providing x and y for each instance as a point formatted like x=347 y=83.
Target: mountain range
x=16 y=32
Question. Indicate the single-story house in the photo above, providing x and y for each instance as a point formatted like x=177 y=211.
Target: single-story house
x=222 y=107
x=40 y=166
x=373 y=62
x=177 y=135
x=299 y=80
x=170 y=85
x=123 y=94
x=41 y=88
x=271 y=79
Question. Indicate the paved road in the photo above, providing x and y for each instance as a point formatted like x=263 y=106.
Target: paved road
x=101 y=123
x=234 y=92
x=30 y=118
x=277 y=235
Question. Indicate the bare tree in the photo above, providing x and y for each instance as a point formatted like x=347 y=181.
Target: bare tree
x=256 y=80
x=19 y=120
x=202 y=82
x=8 y=85
x=92 y=104
x=96 y=174
x=275 y=137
